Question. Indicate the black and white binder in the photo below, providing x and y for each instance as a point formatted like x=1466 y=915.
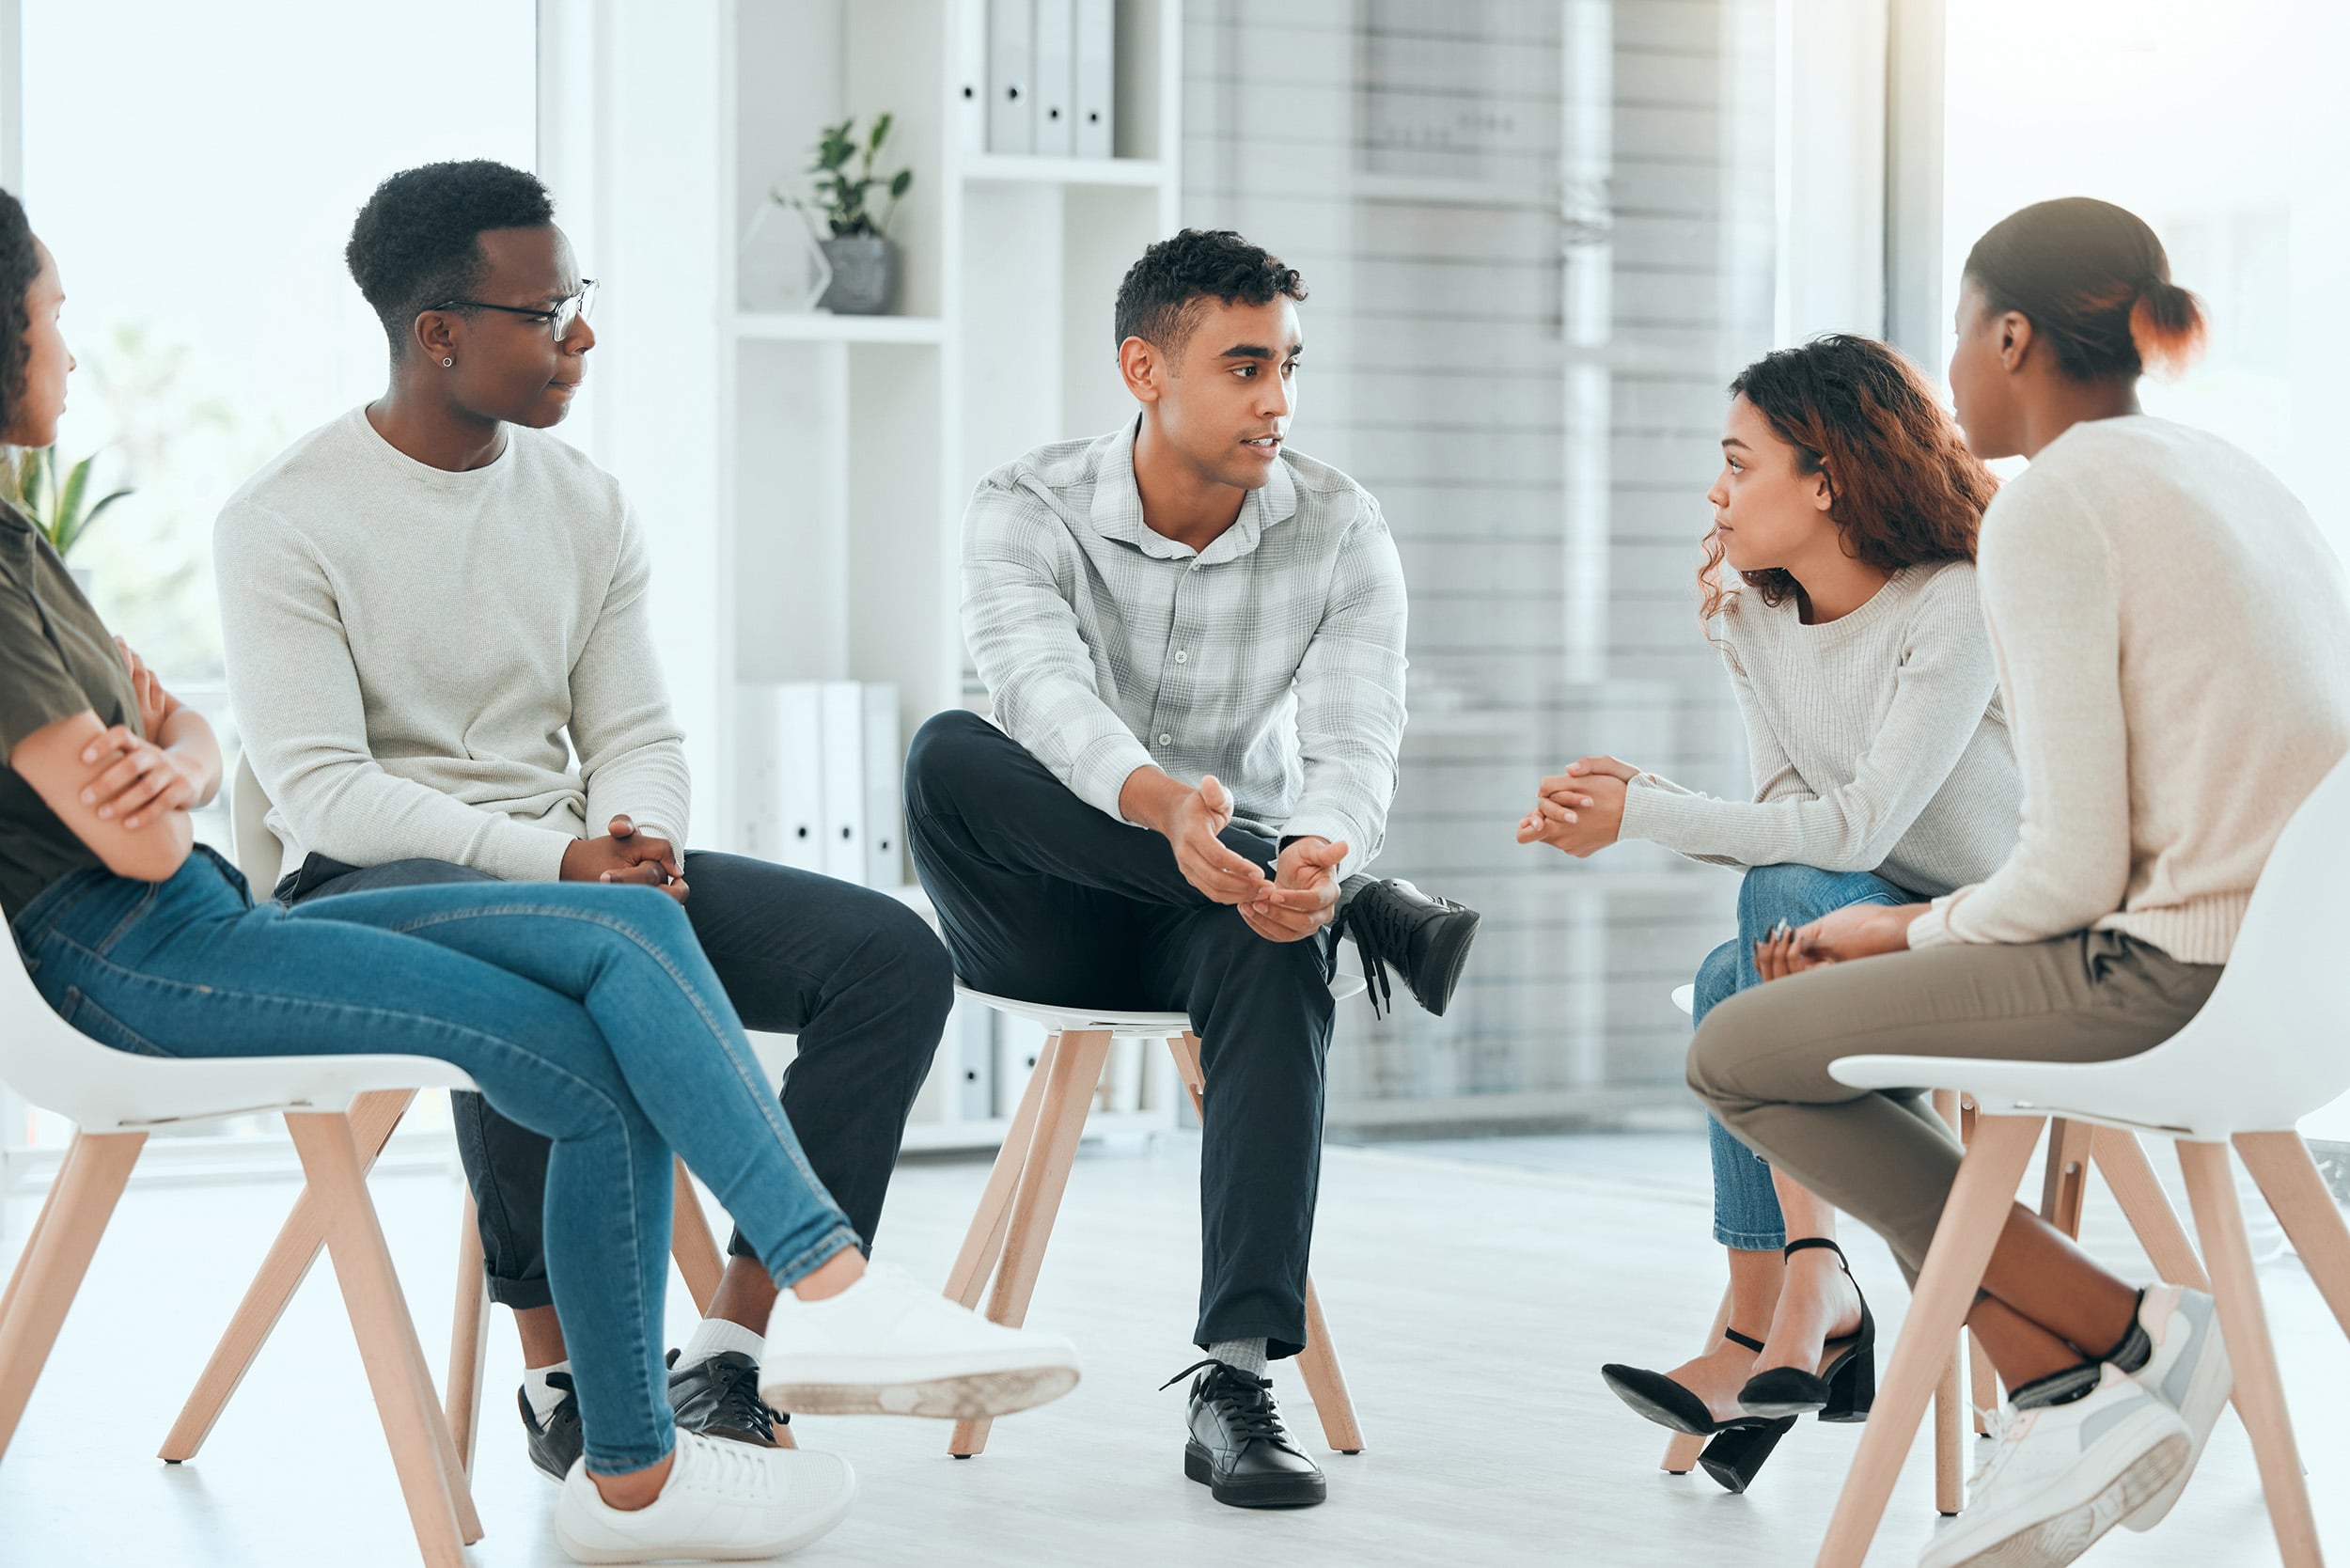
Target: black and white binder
x=884 y=784
x=1010 y=66
x=1096 y=74
x=971 y=74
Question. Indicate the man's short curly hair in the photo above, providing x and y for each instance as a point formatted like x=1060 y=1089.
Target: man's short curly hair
x=20 y=264
x=1162 y=294
x=417 y=240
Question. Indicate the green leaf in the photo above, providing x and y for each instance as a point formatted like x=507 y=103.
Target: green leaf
x=899 y=182
x=70 y=502
x=95 y=512
x=881 y=130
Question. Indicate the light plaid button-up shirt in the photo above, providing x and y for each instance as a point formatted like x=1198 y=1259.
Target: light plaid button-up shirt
x=1273 y=659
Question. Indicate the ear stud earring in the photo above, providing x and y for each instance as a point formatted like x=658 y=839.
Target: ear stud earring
x=446 y=363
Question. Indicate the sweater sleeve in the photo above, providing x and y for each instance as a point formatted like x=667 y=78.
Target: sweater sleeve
x=2052 y=599
x=295 y=689
x=632 y=754
x=1941 y=687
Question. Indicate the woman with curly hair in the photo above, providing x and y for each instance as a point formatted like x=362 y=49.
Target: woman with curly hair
x=1838 y=584
x=584 y=1012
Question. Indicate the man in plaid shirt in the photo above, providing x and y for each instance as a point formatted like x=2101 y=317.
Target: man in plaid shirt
x=1193 y=638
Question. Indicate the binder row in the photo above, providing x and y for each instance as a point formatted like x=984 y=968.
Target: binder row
x=823 y=769
x=1038 y=77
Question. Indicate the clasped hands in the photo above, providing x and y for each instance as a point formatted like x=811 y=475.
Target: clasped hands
x=1296 y=900
x=626 y=855
x=1581 y=812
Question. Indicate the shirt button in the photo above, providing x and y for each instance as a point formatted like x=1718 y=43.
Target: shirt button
x=1181 y=657
x=1167 y=740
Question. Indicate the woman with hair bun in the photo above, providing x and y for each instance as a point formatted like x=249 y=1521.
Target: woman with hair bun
x=1846 y=508
x=2172 y=638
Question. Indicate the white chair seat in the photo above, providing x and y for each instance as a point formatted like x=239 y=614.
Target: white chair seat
x=1685 y=999
x=1141 y=1025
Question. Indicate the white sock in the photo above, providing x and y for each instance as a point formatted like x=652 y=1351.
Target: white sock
x=543 y=1397
x=713 y=1335
x=1241 y=1355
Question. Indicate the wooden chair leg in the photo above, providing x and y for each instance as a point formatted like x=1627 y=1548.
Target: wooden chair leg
x=2065 y=1182
x=2121 y=1161
x=25 y=1259
x=1681 y=1454
x=691 y=1244
x=1983 y=1379
x=2259 y=1395
x=88 y=1184
x=984 y=1242
x=1326 y=1382
x=387 y=1336
x=1060 y=1123
x=468 y=1339
x=2288 y=1178
x=1963 y=1243
x=373 y=1116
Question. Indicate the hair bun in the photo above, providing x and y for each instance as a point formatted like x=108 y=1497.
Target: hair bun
x=2167 y=325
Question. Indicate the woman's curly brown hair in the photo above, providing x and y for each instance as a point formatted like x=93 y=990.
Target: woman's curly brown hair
x=20 y=264
x=1903 y=489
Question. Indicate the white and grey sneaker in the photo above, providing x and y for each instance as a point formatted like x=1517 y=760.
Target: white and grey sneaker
x=2061 y=1476
x=886 y=1346
x=2188 y=1372
x=724 y=1500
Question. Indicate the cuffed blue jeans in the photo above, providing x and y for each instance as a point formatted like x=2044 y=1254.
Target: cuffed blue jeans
x=1745 y=1208
x=586 y=1012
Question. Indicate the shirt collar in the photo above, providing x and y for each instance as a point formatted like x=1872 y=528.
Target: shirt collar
x=1118 y=506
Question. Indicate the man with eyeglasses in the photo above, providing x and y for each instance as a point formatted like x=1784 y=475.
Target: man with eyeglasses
x=422 y=602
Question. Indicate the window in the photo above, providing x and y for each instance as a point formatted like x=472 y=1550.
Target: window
x=201 y=239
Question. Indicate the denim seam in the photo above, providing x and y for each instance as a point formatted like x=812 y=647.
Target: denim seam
x=839 y=1239
x=139 y=911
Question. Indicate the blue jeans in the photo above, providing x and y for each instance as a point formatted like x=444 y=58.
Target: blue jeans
x=1745 y=1209
x=587 y=1013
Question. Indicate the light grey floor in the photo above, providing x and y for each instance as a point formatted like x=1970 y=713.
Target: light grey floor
x=1472 y=1289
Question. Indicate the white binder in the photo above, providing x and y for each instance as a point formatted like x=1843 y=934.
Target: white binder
x=1056 y=77
x=971 y=74
x=843 y=709
x=1018 y=1044
x=797 y=717
x=1095 y=59
x=972 y=1032
x=884 y=768
x=1010 y=60
x=757 y=829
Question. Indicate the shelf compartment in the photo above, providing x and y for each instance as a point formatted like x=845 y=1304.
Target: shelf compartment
x=1144 y=173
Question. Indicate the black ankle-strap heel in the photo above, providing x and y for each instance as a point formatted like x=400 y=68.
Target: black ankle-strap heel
x=1844 y=1388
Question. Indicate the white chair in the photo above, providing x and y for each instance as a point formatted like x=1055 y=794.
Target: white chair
x=373 y=1117
x=2265 y=1050
x=1024 y=1191
x=113 y=1097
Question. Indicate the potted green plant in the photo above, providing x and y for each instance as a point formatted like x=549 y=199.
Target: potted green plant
x=863 y=258
x=61 y=508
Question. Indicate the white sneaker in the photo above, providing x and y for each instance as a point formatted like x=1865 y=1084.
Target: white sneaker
x=724 y=1500
x=2061 y=1476
x=2188 y=1372
x=886 y=1346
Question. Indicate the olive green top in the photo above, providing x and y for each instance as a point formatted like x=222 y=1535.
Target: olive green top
x=57 y=659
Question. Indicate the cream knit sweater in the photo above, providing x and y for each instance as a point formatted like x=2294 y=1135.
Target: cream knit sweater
x=1876 y=740
x=2173 y=643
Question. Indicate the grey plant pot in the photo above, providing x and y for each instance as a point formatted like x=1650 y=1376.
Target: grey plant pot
x=83 y=579
x=864 y=276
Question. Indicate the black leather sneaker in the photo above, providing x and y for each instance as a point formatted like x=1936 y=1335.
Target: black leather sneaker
x=1425 y=937
x=556 y=1443
x=1238 y=1448
x=719 y=1398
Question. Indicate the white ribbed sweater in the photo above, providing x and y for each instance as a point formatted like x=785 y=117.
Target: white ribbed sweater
x=2174 y=642
x=1877 y=742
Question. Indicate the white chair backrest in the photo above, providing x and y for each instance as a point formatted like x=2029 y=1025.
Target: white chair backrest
x=41 y=1057
x=2271 y=1044
x=261 y=855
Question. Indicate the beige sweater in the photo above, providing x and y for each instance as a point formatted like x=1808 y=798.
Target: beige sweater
x=410 y=650
x=2172 y=636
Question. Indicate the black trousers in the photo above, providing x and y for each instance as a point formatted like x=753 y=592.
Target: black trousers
x=855 y=974
x=1044 y=898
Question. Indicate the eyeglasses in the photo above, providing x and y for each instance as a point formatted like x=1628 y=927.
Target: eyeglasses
x=558 y=319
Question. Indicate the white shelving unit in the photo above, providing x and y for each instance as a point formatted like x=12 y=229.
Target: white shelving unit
x=849 y=444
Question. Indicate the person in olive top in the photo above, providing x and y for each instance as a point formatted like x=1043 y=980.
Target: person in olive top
x=587 y=1013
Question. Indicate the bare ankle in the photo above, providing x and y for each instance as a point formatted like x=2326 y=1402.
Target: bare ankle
x=634 y=1489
